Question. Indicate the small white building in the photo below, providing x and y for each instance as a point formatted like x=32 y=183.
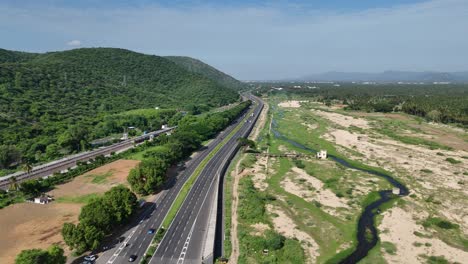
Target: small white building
x=396 y=191
x=124 y=136
x=322 y=154
x=43 y=199
x=164 y=126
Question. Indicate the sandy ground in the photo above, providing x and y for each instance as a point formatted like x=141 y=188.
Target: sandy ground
x=29 y=225
x=259 y=173
x=320 y=194
x=260 y=123
x=286 y=226
x=343 y=120
x=260 y=229
x=441 y=133
x=403 y=237
x=292 y=104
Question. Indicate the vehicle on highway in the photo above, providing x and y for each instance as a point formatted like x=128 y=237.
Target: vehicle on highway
x=90 y=258
x=132 y=258
x=151 y=231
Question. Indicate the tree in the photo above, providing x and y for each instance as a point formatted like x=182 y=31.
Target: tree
x=13 y=183
x=52 y=151
x=27 y=166
x=31 y=187
x=8 y=155
x=434 y=116
x=53 y=255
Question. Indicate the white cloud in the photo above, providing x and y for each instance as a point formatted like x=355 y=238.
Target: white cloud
x=74 y=43
x=261 y=42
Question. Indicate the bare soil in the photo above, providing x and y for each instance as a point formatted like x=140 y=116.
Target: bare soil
x=286 y=226
x=29 y=225
x=404 y=239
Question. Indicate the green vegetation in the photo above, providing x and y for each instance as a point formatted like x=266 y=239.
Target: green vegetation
x=436 y=221
x=56 y=103
x=452 y=160
x=78 y=199
x=389 y=247
x=150 y=175
x=32 y=188
x=100 y=178
x=437 y=103
x=53 y=255
x=426 y=170
x=99 y=217
x=436 y=260
x=191 y=180
x=198 y=67
x=252 y=210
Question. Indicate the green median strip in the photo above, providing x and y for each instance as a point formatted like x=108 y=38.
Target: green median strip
x=185 y=190
x=189 y=183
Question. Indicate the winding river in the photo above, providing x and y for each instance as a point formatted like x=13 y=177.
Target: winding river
x=366 y=221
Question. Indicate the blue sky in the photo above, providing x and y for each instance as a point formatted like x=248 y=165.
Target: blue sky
x=253 y=40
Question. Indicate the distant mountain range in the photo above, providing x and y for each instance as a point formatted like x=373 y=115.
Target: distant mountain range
x=389 y=77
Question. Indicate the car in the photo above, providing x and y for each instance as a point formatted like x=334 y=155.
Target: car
x=151 y=231
x=132 y=258
x=90 y=258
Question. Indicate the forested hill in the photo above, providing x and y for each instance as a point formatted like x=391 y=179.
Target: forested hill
x=197 y=66
x=51 y=97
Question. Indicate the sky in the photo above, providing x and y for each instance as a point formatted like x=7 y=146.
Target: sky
x=253 y=40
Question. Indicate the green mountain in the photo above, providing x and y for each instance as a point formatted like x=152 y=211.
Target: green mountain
x=60 y=97
x=197 y=66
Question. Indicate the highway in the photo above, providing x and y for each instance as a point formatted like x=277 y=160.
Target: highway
x=137 y=238
x=70 y=161
x=185 y=238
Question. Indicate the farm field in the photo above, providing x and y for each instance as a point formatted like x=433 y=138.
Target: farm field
x=317 y=202
x=29 y=225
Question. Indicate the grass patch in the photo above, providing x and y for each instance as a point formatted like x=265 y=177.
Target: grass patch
x=389 y=247
x=439 y=222
x=426 y=171
x=82 y=199
x=100 y=178
x=452 y=160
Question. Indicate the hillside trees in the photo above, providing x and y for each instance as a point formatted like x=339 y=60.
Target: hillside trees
x=72 y=97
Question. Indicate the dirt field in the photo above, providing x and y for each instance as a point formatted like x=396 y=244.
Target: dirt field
x=29 y=225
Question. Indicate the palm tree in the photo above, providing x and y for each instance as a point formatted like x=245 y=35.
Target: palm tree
x=13 y=183
x=27 y=166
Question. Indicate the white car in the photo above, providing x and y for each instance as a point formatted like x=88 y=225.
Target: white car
x=90 y=258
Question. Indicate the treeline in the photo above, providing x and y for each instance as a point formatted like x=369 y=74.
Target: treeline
x=53 y=255
x=55 y=103
x=99 y=217
x=438 y=103
x=150 y=175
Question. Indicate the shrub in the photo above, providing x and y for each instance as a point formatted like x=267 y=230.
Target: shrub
x=452 y=160
x=439 y=222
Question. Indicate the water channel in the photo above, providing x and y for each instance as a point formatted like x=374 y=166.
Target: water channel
x=367 y=236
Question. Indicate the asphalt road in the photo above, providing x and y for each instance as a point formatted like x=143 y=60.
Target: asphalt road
x=185 y=238
x=137 y=237
x=68 y=162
